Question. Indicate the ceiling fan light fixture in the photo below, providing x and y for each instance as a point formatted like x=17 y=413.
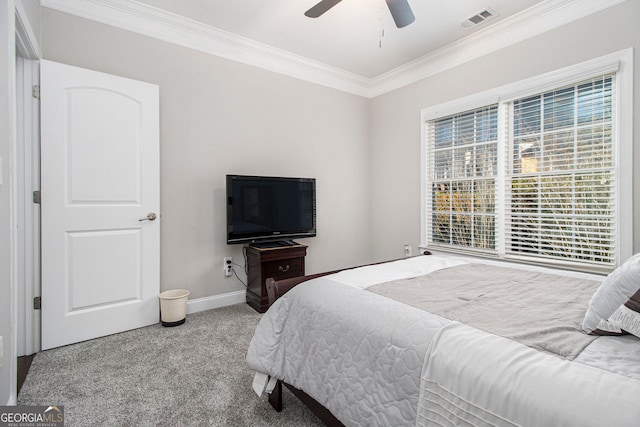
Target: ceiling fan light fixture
x=400 y=11
x=320 y=8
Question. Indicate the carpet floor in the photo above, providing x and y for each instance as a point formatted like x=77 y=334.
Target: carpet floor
x=194 y=374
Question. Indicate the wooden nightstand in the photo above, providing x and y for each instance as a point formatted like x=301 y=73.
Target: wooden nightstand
x=282 y=262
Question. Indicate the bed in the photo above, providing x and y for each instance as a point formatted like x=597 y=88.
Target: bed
x=451 y=341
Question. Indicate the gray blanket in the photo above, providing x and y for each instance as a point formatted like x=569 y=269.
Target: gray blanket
x=543 y=311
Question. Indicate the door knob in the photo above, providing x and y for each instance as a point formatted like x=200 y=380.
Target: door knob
x=150 y=217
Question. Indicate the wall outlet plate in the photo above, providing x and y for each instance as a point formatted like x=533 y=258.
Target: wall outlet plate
x=227 y=265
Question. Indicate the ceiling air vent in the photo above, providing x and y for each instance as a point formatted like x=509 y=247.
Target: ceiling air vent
x=478 y=18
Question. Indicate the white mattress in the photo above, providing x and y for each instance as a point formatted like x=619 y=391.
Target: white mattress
x=362 y=395
x=472 y=378
x=363 y=277
x=620 y=355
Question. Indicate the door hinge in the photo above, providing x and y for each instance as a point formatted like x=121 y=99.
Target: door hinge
x=37 y=303
x=36 y=197
x=35 y=91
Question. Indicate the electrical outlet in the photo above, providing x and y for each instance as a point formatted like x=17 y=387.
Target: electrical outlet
x=227 y=265
x=407 y=250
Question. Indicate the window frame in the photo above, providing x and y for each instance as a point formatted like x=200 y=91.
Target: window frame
x=461 y=117
x=621 y=64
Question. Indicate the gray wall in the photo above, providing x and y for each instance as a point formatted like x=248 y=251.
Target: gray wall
x=218 y=117
x=395 y=124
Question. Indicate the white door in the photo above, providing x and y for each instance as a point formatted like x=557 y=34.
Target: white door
x=100 y=178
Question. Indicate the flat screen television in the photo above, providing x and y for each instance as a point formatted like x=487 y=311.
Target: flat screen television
x=267 y=209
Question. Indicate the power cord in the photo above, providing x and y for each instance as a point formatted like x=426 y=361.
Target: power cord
x=246 y=264
x=233 y=270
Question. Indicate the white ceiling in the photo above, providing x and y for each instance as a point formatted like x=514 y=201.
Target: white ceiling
x=341 y=49
x=346 y=37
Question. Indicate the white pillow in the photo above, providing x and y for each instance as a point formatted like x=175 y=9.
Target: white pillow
x=615 y=306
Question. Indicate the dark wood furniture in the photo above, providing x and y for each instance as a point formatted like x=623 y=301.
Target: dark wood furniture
x=278 y=287
x=275 y=400
x=280 y=262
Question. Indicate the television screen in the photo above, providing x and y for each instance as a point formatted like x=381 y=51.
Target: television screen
x=261 y=208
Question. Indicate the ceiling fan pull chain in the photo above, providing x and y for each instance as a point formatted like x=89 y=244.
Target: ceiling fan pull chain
x=381 y=20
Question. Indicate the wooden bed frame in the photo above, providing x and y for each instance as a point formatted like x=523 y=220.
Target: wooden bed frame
x=275 y=289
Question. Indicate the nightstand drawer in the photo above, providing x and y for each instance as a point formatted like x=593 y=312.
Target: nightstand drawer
x=278 y=262
x=283 y=269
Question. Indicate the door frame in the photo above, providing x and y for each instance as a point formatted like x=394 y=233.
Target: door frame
x=28 y=213
x=26 y=179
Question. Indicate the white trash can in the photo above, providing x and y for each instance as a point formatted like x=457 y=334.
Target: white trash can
x=173 y=307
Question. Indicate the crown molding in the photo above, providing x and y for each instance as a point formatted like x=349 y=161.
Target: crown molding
x=26 y=41
x=538 y=19
x=150 y=21
x=167 y=26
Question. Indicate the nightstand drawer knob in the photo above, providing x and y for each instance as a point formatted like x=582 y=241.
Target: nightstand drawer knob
x=283 y=269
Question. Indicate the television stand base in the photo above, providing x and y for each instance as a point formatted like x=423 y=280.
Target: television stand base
x=274 y=244
x=277 y=262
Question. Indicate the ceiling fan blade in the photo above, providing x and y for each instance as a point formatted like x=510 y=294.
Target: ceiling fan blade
x=401 y=12
x=321 y=8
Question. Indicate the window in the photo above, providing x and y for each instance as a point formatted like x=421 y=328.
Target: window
x=534 y=177
x=464 y=167
x=561 y=174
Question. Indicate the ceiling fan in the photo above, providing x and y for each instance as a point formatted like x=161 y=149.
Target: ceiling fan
x=400 y=10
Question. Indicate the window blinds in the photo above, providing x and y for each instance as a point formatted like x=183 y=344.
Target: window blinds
x=463 y=165
x=553 y=199
x=561 y=174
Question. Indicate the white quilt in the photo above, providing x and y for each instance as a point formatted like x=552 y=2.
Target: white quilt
x=472 y=378
x=307 y=338
x=371 y=360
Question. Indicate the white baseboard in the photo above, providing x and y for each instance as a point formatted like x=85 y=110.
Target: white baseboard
x=216 y=301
